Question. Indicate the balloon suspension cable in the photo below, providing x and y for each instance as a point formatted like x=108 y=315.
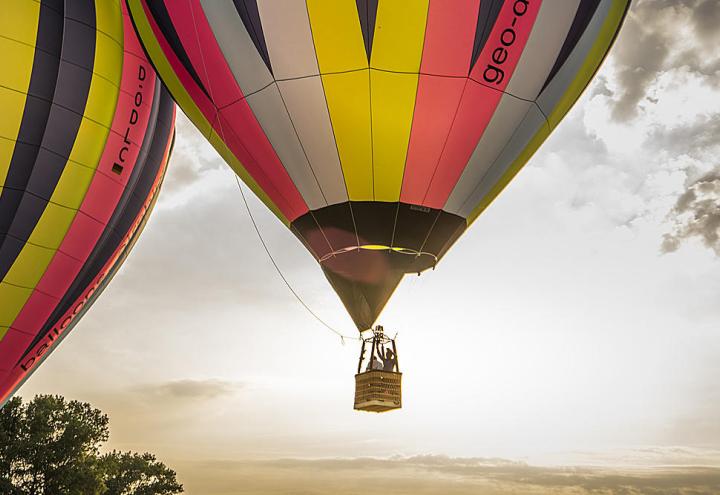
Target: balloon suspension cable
x=287 y=283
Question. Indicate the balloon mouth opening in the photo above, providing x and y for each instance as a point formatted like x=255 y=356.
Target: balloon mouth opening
x=429 y=259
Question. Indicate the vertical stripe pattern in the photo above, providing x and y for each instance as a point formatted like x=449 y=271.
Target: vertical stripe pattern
x=376 y=122
x=83 y=155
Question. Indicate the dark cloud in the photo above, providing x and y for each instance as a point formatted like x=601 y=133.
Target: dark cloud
x=655 y=39
x=439 y=475
x=706 y=18
x=696 y=214
x=694 y=139
x=659 y=36
x=640 y=57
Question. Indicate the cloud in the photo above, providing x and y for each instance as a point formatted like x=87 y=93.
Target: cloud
x=665 y=79
x=191 y=158
x=696 y=214
x=694 y=139
x=189 y=389
x=204 y=252
x=151 y=415
x=706 y=18
x=640 y=57
x=431 y=474
x=653 y=456
x=660 y=36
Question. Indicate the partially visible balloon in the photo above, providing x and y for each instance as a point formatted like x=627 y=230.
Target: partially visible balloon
x=377 y=130
x=85 y=135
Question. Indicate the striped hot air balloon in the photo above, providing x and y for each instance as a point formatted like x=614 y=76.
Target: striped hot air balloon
x=86 y=129
x=377 y=130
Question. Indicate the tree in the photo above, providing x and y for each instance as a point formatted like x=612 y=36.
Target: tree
x=128 y=473
x=52 y=446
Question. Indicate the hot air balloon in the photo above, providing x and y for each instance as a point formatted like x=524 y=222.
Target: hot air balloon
x=86 y=132
x=376 y=130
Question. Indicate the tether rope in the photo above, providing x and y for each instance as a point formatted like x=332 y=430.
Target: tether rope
x=279 y=271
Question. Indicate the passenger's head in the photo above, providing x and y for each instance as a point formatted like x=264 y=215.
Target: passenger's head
x=388 y=353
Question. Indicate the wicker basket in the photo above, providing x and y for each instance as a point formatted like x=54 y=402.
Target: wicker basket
x=378 y=391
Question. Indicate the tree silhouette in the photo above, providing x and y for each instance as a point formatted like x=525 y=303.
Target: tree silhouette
x=52 y=446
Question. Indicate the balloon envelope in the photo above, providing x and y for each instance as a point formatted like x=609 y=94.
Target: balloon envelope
x=377 y=130
x=86 y=132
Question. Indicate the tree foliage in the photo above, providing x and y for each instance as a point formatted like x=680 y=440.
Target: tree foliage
x=129 y=473
x=52 y=446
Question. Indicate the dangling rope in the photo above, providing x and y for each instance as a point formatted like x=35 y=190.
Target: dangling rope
x=277 y=268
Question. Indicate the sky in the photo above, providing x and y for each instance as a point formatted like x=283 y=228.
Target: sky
x=574 y=324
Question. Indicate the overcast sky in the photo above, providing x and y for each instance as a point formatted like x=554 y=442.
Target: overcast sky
x=575 y=323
